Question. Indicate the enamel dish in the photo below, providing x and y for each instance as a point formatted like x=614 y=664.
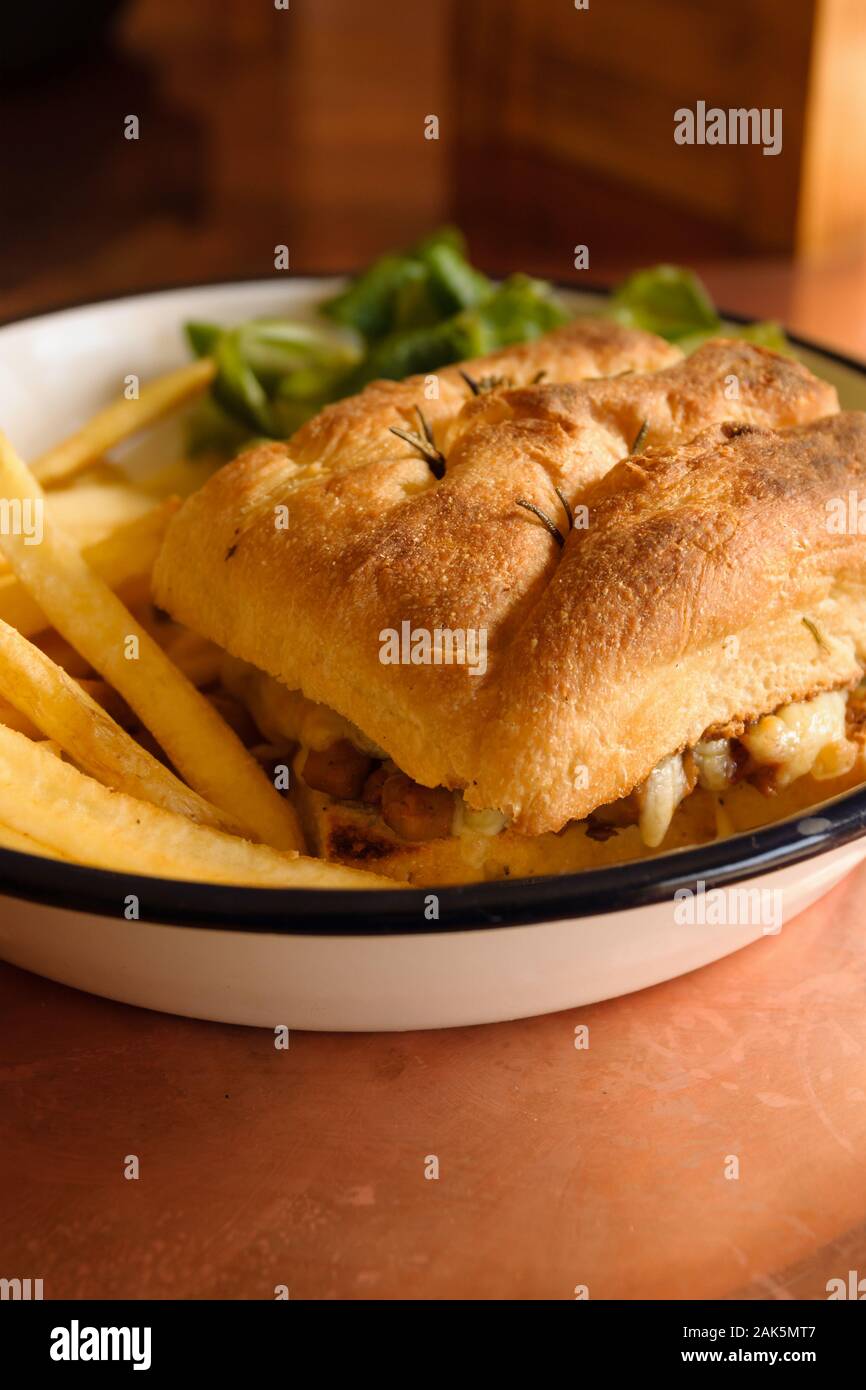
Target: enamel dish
x=370 y=961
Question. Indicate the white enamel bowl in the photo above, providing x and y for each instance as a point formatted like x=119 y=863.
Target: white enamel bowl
x=349 y=960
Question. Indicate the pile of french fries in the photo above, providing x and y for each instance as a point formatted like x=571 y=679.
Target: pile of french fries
x=115 y=748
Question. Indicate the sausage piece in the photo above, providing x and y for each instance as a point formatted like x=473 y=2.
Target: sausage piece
x=415 y=812
x=340 y=770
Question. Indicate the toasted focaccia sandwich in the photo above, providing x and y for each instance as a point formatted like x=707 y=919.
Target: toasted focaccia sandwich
x=559 y=607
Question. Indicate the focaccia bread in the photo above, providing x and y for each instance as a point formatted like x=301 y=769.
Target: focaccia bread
x=301 y=558
x=355 y=430
x=707 y=591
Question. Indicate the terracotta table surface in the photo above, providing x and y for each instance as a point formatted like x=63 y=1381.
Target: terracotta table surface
x=558 y=1167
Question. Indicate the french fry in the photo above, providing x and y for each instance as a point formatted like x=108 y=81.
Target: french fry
x=25 y=844
x=184 y=475
x=121 y=419
x=14 y=719
x=63 y=654
x=63 y=711
x=200 y=659
x=90 y=512
x=236 y=715
x=127 y=553
x=75 y=816
x=113 y=704
x=81 y=606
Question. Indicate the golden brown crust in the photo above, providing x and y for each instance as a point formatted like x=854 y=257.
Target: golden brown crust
x=684 y=604
x=355 y=430
x=374 y=541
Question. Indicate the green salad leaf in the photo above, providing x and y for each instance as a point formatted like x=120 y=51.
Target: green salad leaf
x=666 y=300
x=766 y=334
x=412 y=289
x=412 y=312
x=674 y=302
x=513 y=312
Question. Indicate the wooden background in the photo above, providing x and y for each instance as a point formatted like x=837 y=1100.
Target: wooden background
x=305 y=126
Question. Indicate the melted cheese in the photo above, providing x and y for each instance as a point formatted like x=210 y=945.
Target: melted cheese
x=715 y=765
x=659 y=797
x=469 y=822
x=806 y=737
x=287 y=716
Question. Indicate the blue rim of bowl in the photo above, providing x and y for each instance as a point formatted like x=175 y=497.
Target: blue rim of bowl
x=470 y=907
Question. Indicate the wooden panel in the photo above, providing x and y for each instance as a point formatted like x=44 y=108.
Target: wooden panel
x=833 y=194
x=598 y=89
x=306 y=126
x=358 y=84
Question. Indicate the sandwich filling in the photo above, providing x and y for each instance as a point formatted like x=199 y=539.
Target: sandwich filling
x=806 y=737
x=358 y=802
